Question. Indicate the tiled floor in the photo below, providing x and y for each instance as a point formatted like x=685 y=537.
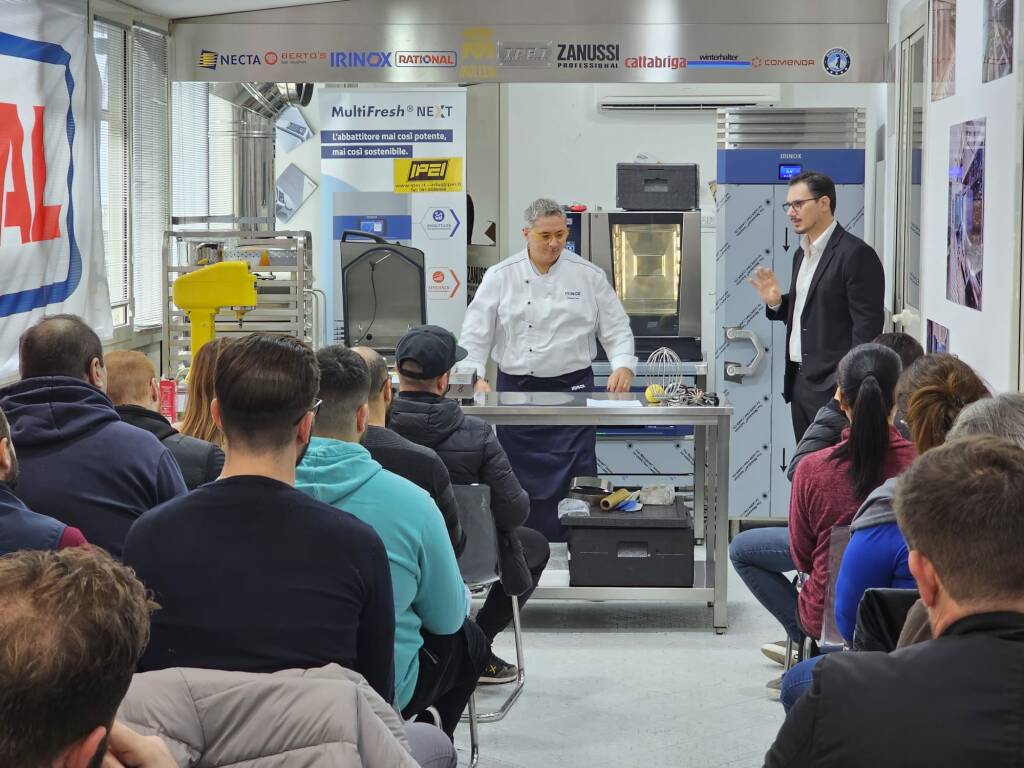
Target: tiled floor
x=636 y=684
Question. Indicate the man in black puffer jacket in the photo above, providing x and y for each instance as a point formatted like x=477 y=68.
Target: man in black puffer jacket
x=471 y=451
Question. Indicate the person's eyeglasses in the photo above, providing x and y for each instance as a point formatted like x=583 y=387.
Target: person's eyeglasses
x=796 y=205
x=315 y=408
x=560 y=235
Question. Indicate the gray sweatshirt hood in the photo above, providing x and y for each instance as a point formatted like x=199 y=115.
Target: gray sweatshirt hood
x=877 y=507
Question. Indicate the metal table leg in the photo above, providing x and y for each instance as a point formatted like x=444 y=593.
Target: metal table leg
x=721 y=524
x=699 y=481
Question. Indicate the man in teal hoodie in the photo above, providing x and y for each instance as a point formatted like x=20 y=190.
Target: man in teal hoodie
x=439 y=652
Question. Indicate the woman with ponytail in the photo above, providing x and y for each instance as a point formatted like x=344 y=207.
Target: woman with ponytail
x=930 y=395
x=831 y=484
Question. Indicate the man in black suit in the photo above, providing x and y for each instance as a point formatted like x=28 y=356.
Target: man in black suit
x=835 y=299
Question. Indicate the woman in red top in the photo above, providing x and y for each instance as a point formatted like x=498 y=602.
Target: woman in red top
x=830 y=485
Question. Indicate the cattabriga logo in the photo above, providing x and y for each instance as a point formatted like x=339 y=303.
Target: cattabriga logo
x=208 y=59
x=428 y=170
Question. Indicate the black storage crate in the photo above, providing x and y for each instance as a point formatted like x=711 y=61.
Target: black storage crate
x=668 y=187
x=649 y=548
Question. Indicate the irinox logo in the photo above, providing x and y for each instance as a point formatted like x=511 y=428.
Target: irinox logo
x=208 y=59
x=428 y=170
x=361 y=59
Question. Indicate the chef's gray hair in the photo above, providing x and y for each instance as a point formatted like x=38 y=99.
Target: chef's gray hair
x=542 y=206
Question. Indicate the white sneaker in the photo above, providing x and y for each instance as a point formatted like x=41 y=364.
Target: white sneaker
x=777 y=652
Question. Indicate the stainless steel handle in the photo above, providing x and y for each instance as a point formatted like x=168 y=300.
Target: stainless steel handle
x=319 y=315
x=735 y=371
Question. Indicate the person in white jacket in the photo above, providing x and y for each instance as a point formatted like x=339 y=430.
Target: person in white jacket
x=540 y=314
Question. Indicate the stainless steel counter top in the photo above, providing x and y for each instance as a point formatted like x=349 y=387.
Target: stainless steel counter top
x=570 y=408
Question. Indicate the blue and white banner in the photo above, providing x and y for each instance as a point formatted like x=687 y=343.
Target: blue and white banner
x=51 y=241
x=393 y=164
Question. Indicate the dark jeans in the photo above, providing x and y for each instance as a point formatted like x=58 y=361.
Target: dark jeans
x=450 y=666
x=761 y=556
x=496 y=612
x=805 y=402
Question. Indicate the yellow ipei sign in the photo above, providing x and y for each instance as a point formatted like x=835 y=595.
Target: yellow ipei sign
x=437 y=174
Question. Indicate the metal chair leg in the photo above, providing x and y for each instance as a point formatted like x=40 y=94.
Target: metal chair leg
x=517 y=691
x=787 y=665
x=474 y=742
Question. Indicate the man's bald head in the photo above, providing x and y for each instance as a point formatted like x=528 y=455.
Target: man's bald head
x=62 y=345
x=378 y=367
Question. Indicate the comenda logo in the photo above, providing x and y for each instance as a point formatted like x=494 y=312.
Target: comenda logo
x=208 y=59
x=428 y=170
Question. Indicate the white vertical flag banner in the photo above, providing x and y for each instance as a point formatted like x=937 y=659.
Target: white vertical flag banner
x=393 y=165
x=51 y=240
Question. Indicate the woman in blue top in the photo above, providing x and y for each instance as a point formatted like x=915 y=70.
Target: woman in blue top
x=931 y=393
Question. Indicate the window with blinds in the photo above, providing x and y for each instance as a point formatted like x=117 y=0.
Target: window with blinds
x=150 y=174
x=201 y=144
x=111 y=49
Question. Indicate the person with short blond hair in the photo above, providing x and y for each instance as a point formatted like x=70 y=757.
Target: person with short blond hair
x=134 y=389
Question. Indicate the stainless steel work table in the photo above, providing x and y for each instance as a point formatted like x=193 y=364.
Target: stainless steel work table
x=710 y=483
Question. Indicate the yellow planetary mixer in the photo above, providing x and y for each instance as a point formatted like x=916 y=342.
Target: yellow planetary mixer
x=203 y=293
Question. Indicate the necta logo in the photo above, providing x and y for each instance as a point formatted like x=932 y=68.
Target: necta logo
x=208 y=59
x=428 y=170
x=36 y=220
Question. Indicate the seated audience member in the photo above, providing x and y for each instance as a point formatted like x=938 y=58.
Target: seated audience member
x=72 y=626
x=329 y=716
x=999 y=416
x=930 y=393
x=439 y=653
x=827 y=428
x=251 y=574
x=956 y=699
x=197 y=421
x=471 y=451
x=20 y=527
x=134 y=389
x=415 y=463
x=79 y=462
x=828 y=488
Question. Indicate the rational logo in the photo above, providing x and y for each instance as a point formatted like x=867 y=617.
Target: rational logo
x=208 y=59
x=425 y=58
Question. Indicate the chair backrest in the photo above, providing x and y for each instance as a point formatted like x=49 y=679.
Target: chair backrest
x=479 y=560
x=880 y=618
x=838 y=540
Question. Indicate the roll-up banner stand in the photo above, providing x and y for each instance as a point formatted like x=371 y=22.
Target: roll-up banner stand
x=393 y=165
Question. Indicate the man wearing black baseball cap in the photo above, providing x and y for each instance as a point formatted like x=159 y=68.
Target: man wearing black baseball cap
x=469 y=448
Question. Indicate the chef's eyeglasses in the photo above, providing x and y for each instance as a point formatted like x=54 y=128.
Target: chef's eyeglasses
x=796 y=205
x=562 y=234
x=315 y=408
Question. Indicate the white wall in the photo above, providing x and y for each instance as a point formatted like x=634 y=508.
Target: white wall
x=988 y=339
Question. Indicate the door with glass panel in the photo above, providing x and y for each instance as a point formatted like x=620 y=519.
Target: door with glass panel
x=910 y=111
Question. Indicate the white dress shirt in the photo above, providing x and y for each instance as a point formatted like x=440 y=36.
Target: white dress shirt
x=812 y=257
x=545 y=324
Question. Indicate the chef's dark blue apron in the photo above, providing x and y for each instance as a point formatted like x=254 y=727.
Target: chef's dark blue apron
x=545 y=459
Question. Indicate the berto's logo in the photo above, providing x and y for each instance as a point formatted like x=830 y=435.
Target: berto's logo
x=428 y=170
x=208 y=59
x=270 y=58
x=837 y=62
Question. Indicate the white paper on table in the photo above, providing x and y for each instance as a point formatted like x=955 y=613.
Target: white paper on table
x=614 y=403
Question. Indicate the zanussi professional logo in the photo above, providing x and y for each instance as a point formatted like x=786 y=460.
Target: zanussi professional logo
x=208 y=59
x=435 y=174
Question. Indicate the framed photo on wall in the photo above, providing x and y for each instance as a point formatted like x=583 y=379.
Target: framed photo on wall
x=965 y=232
x=998 y=40
x=943 y=34
x=938 y=337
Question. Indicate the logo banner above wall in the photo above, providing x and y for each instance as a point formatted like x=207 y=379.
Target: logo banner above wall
x=51 y=241
x=433 y=53
x=392 y=165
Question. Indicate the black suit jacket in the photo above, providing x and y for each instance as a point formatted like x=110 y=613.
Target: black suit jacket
x=844 y=308
x=953 y=701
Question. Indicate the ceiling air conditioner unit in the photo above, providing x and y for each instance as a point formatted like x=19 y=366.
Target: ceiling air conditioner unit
x=683 y=98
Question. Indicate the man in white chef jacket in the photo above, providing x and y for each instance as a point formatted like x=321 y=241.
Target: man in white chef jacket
x=540 y=314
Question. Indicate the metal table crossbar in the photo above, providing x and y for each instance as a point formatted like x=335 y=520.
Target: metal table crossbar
x=712 y=426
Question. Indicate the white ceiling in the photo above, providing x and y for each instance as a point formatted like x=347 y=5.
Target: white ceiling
x=183 y=9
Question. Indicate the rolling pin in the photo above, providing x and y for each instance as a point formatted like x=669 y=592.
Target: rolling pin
x=612 y=500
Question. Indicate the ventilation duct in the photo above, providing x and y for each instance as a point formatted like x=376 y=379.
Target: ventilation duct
x=255 y=109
